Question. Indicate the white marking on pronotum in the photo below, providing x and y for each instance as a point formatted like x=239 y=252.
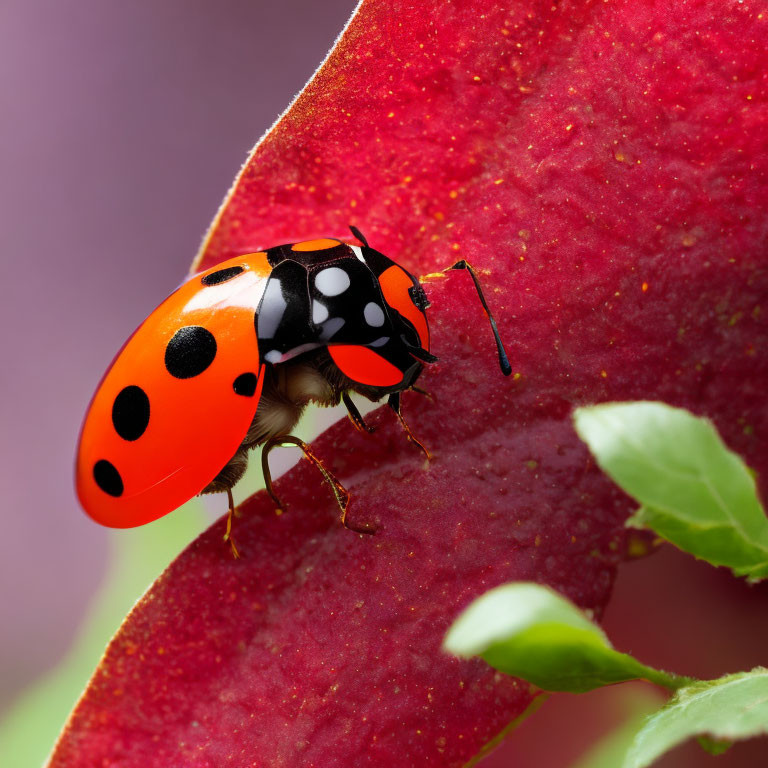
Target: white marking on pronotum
x=374 y=314
x=358 y=252
x=319 y=313
x=332 y=281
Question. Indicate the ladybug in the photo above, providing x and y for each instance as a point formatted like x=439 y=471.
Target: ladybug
x=230 y=360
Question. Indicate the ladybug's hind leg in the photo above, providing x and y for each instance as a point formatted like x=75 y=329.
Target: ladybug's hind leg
x=340 y=493
x=394 y=404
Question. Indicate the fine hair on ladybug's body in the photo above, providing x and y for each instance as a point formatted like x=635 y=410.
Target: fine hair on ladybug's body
x=230 y=360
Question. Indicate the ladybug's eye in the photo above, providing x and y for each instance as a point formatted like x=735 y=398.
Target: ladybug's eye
x=418 y=297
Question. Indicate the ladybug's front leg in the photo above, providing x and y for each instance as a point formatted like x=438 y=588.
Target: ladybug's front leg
x=340 y=493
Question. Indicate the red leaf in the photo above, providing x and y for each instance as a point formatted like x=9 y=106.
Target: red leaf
x=606 y=164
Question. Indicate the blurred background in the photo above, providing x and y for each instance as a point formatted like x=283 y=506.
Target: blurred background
x=122 y=127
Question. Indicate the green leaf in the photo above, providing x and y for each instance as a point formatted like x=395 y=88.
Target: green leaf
x=530 y=631
x=694 y=491
x=733 y=707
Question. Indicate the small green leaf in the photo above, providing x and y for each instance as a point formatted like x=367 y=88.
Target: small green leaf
x=530 y=631
x=733 y=707
x=694 y=492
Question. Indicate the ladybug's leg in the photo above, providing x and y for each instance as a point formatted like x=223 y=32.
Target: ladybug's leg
x=355 y=416
x=506 y=368
x=228 y=535
x=340 y=493
x=424 y=392
x=268 y=446
x=394 y=404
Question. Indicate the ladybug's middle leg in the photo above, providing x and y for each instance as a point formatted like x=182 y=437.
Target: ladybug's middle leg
x=340 y=493
x=228 y=535
x=355 y=416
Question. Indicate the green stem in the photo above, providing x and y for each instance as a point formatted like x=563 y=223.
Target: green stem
x=666 y=680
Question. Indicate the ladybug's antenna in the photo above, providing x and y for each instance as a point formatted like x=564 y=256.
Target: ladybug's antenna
x=359 y=235
x=506 y=368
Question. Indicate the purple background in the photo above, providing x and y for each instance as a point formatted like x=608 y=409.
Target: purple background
x=122 y=127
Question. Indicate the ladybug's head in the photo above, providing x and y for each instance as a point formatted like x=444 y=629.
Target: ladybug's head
x=379 y=339
x=405 y=298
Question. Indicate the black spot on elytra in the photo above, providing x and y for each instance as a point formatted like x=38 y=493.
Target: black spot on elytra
x=245 y=384
x=190 y=351
x=130 y=413
x=108 y=478
x=221 y=275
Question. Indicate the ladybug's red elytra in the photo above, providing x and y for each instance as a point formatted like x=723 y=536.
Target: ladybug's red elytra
x=230 y=360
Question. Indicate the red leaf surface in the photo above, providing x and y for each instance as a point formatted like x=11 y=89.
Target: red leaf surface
x=605 y=163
